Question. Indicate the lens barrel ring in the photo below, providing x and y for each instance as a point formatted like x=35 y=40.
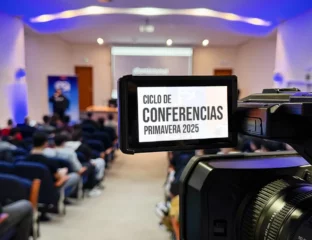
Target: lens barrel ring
x=257 y=205
x=282 y=214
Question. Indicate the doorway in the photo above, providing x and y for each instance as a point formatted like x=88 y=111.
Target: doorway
x=223 y=72
x=85 y=86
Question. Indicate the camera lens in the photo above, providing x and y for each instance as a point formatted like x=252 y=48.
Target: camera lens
x=281 y=210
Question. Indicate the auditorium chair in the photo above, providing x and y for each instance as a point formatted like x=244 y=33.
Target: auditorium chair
x=6 y=167
x=108 y=144
x=104 y=138
x=19 y=152
x=88 y=128
x=52 y=195
x=95 y=145
x=83 y=175
x=19 y=159
x=26 y=131
x=14 y=188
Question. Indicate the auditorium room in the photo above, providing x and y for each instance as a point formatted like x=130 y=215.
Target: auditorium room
x=85 y=84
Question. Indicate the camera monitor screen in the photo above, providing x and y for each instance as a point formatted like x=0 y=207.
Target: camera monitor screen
x=176 y=113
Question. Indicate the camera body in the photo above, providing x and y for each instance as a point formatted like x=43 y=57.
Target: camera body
x=226 y=197
x=218 y=195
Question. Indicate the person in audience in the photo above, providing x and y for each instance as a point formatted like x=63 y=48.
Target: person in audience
x=60 y=103
x=89 y=121
x=26 y=121
x=5 y=146
x=60 y=151
x=16 y=138
x=77 y=145
x=68 y=154
x=40 y=142
x=45 y=126
x=112 y=122
x=178 y=162
x=66 y=124
x=109 y=130
x=6 y=131
x=18 y=217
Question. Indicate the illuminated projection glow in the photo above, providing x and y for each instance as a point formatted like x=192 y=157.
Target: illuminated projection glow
x=150 y=61
x=149 y=11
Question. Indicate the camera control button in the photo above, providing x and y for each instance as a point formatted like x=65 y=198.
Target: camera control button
x=220 y=228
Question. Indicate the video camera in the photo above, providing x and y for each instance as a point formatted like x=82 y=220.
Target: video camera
x=248 y=196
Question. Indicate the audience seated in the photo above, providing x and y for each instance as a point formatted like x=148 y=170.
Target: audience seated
x=77 y=145
x=16 y=138
x=112 y=122
x=18 y=216
x=45 y=126
x=40 y=142
x=89 y=121
x=109 y=130
x=68 y=154
x=5 y=132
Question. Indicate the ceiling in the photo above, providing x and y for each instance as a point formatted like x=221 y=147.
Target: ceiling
x=183 y=30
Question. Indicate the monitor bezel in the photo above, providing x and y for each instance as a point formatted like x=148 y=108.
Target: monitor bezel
x=128 y=112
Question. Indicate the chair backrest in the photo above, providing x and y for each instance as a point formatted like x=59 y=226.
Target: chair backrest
x=31 y=170
x=6 y=168
x=81 y=157
x=62 y=163
x=14 y=188
x=19 y=152
x=103 y=137
x=19 y=159
x=26 y=131
x=96 y=145
x=88 y=128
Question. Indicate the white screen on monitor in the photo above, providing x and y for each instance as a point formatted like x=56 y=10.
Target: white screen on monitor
x=182 y=113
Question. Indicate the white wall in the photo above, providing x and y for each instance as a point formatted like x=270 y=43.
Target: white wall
x=255 y=63
x=99 y=58
x=12 y=58
x=294 y=47
x=206 y=60
x=45 y=55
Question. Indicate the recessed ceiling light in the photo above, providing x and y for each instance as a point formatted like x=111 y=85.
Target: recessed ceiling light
x=169 y=42
x=100 y=41
x=105 y=1
x=205 y=42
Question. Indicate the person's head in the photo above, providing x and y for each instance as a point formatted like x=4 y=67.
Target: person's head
x=46 y=119
x=59 y=91
x=26 y=120
x=77 y=136
x=60 y=140
x=14 y=132
x=10 y=123
x=89 y=115
x=110 y=117
x=40 y=140
x=101 y=121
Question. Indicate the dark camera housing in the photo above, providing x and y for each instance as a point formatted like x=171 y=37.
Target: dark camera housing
x=129 y=122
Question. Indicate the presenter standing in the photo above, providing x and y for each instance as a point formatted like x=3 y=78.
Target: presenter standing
x=60 y=103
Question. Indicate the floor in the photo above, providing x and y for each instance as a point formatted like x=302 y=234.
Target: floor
x=125 y=210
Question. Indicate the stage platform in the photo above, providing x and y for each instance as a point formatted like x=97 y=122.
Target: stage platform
x=102 y=111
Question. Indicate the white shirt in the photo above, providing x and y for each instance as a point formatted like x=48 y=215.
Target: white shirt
x=65 y=153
